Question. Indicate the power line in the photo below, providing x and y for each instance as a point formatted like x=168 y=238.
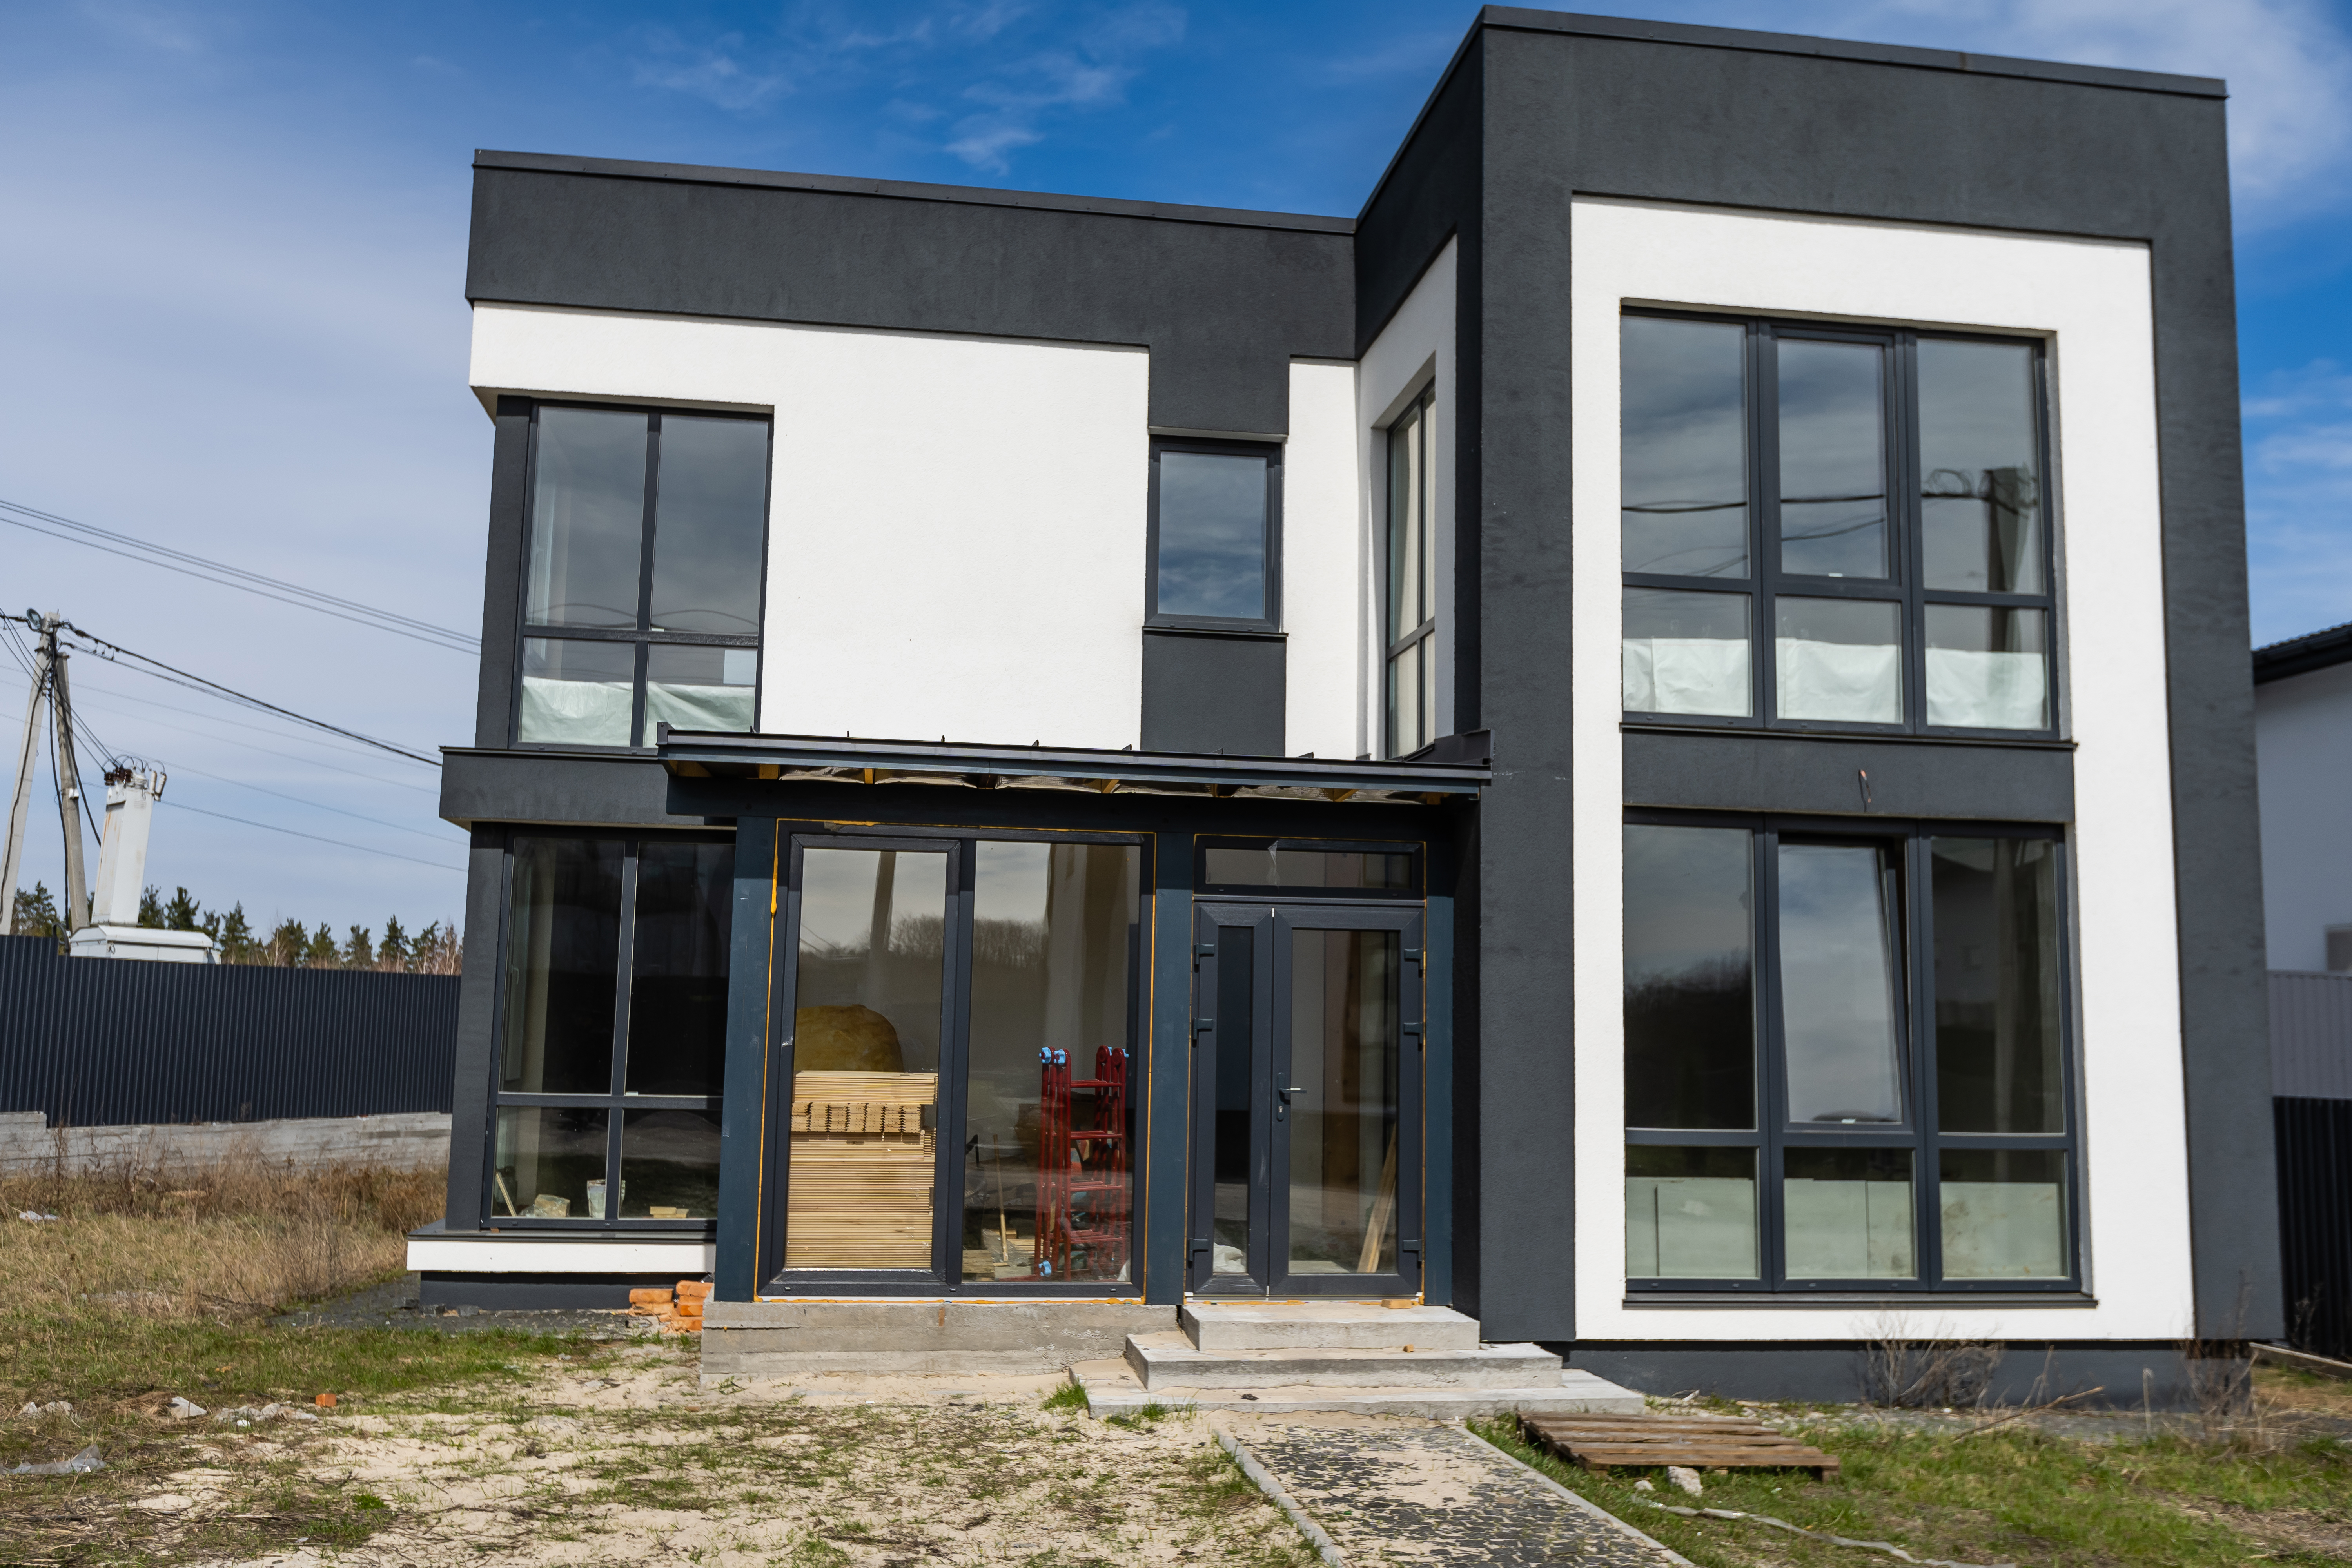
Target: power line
x=298 y=737
x=315 y=804
x=316 y=838
x=201 y=568
x=115 y=653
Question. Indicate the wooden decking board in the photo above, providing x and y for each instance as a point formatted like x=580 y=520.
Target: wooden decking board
x=1601 y=1443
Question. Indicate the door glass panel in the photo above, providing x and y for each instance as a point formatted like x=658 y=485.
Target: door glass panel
x=587 y=519
x=1849 y=1214
x=1048 y=1170
x=1832 y=459
x=1682 y=447
x=1212 y=535
x=677 y=985
x=865 y=1055
x=1839 y=998
x=548 y=1162
x=1988 y=667
x=1980 y=492
x=1838 y=660
x=1690 y=979
x=1690 y=1214
x=1997 y=1043
x=669 y=1164
x=1342 y=1100
x=1686 y=653
x=710 y=516
x=1236 y=1099
x=563 y=942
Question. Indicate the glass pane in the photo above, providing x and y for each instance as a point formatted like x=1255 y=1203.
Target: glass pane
x=1980 y=506
x=576 y=692
x=700 y=688
x=587 y=519
x=1988 y=667
x=865 y=1057
x=2004 y=1214
x=1048 y=1182
x=1841 y=1001
x=1690 y=1214
x=1832 y=459
x=711 y=515
x=669 y=1165
x=1838 y=660
x=1212 y=535
x=678 y=961
x=1237 y=1081
x=549 y=1163
x=1998 y=1059
x=563 y=966
x=1424 y=655
x=1682 y=447
x=1293 y=864
x=1341 y=1100
x=1686 y=653
x=1690 y=983
x=1409 y=584
x=1848 y=1214
x=1411 y=700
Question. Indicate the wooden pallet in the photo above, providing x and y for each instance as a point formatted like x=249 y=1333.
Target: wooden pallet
x=1702 y=1442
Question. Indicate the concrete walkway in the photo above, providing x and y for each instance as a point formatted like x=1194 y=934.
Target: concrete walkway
x=1394 y=1490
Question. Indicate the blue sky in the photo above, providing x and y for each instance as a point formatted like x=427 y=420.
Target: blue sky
x=231 y=315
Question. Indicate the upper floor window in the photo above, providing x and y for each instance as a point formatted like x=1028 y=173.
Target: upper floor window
x=1214 y=529
x=1834 y=527
x=642 y=574
x=1411 y=623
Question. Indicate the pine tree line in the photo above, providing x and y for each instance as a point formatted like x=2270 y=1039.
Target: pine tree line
x=292 y=945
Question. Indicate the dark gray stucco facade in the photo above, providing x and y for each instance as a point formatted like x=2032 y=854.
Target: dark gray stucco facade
x=1534 y=109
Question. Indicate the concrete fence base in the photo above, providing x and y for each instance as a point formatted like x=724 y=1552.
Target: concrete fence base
x=405 y=1143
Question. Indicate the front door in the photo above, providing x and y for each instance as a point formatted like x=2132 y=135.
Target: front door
x=1306 y=1079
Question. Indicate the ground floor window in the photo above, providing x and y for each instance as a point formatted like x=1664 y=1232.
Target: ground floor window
x=964 y=1017
x=612 y=1027
x=1846 y=1057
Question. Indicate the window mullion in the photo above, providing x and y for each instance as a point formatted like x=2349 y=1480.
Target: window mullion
x=1920 y=966
x=1764 y=519
x=1771 y=1108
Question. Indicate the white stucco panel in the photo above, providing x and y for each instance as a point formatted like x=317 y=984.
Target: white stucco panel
x=2092 y=301
x=956 y=534
x=1323 y=562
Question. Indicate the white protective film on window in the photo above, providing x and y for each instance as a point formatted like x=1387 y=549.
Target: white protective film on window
x=576 y=692
x=700 y=688
x=1839 y=660
x=1686 y=653
x=1690 y=1214
x=1988 y=667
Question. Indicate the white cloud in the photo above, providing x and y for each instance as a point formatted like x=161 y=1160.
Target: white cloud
x=2299 y=501
x=1093 y=74
x=712 y=74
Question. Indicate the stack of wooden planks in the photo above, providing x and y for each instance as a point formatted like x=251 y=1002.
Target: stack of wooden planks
x=862 y=1164
x=1701 y=1442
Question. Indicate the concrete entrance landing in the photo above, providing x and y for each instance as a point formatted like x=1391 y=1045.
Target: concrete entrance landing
x=1270 y=1358
x=894 y=1335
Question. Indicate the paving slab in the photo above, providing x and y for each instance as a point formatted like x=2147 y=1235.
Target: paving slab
x=1112 y=1388
x=1384 y=1491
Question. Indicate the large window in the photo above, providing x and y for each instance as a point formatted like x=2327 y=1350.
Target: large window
x=613 y=1031
x=641 y=576
x=1845 y=1063
x=1214 y=530
x=1412 y=597
x=1824 y=528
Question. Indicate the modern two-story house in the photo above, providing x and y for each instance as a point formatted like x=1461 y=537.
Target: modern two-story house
x=1649 y=740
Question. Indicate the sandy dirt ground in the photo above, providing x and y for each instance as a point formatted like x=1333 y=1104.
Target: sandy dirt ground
x=628 y=1460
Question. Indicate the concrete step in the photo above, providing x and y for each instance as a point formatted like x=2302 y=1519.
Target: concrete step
x=1169 y=1358
x=1326 y=1325
x=1112 y=1389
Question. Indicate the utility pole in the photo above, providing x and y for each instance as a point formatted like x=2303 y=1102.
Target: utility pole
x=49 y=685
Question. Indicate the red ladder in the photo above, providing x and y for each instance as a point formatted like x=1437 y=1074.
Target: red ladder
x=1085 y=1217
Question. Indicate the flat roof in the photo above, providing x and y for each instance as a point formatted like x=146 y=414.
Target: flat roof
x=2301 y=656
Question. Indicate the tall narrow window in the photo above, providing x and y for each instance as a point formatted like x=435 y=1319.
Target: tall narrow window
x=1214 y=535
x=1787 y=1125
x=642 y=576
x=613 y=1020
x=1834 y=528
x=1412 y=597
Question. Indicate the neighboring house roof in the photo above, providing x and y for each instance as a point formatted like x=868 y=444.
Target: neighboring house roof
x=2301 y=656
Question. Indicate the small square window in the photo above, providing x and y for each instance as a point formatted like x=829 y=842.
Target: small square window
x=1214 y=528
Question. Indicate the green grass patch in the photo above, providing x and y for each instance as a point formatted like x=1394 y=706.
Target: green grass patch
x=2008 y=1495
x=1069 y=1397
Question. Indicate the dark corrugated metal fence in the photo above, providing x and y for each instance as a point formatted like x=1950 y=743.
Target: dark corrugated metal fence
x=94 y=1042
x=2311 y=1079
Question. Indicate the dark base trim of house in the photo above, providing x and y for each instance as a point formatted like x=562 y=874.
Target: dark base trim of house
x=2123 y=1372
x=537 y=1292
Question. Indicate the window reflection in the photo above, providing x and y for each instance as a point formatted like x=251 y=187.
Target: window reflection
x=1689 y=979
x=1682 y=447
x=1980 y=497
x=1840 y=991
x=669 y=1164
x=1213 y=527
x=587 y=519
x=678 y=989
x=711 y=519
x=562 y=960
x=1056 y=950
x=1832 y=459
x=1281 y=864
x=1997 y=1012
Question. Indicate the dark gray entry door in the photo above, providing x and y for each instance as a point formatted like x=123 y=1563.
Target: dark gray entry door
x=1307 y=1095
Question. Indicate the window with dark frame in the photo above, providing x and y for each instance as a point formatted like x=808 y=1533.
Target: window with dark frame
x=1214 y=531
x=613 y=1002
x=642 y=574
x=1410 y=635
x=1833 y=528
x=1846 y=1063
